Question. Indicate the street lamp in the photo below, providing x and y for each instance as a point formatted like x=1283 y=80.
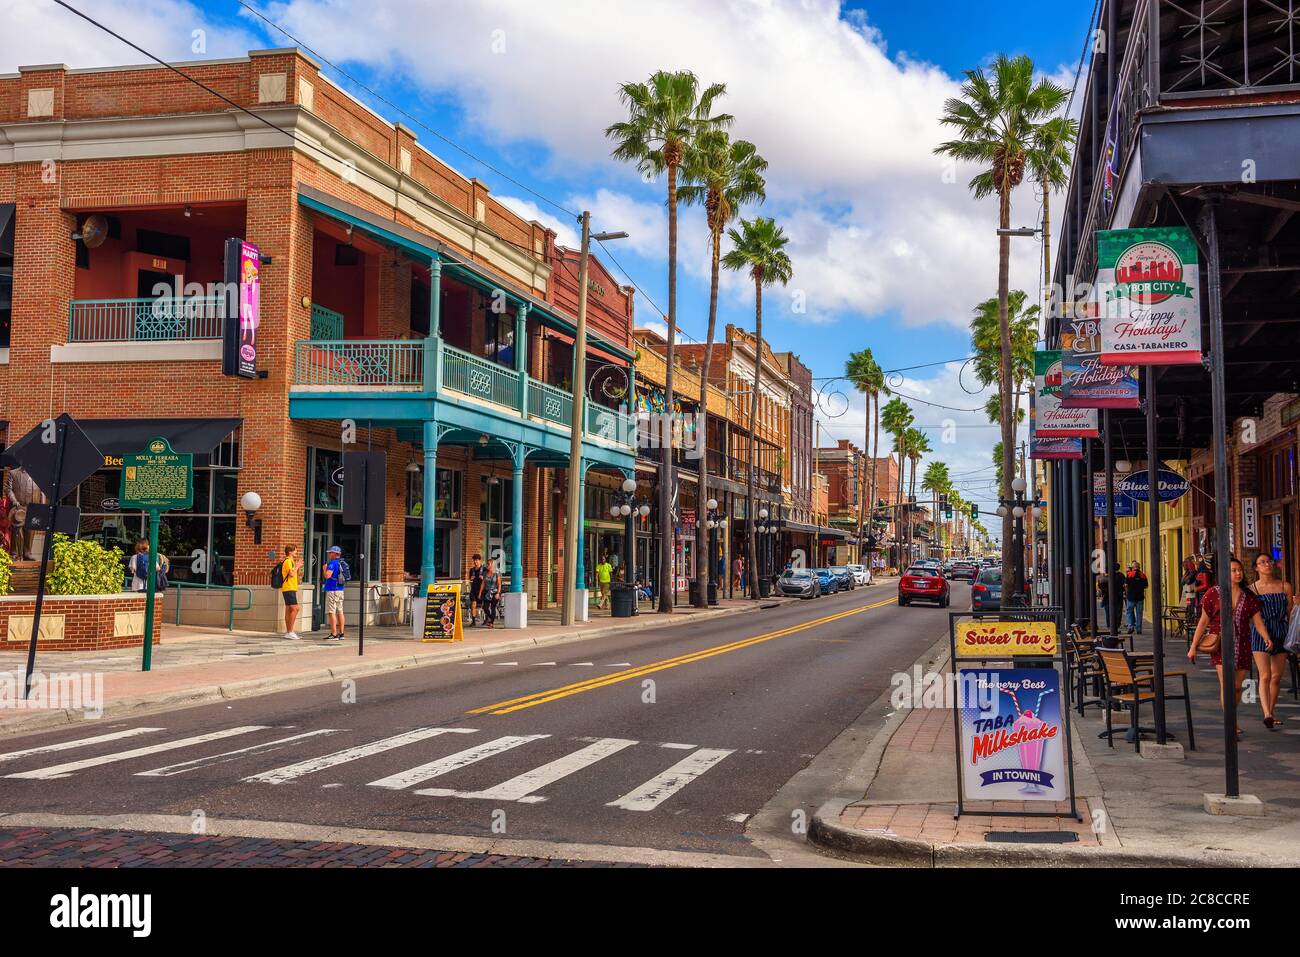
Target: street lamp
x=1017 y=506
x=713 y=523
x=627 y=506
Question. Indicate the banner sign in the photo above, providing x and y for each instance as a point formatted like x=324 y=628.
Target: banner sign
x=1085 y=382
x=996 y=639
x=1171 y=485
x=1125 y=507
x=1013 y=750
x=1250 y=522
x=1050 y=448
x=157 y=478
x=1047 y=418
x=442 y=620
x=243 y=273
x=1150 y=304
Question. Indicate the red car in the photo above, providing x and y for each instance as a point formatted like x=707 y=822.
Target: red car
x=922 y=583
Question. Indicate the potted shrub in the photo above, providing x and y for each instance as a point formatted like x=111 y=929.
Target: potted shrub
x=84 y=567
x=6 y=572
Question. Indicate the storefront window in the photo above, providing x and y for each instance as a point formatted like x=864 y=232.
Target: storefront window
x=445 y=506
x=325 y=519
x=495 y=504
x=498 y=334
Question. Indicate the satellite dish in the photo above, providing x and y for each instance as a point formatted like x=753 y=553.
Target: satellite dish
x=94 y=230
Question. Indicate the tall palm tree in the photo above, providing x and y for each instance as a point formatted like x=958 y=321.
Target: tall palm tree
x=1049 y=162
x=758 y=247
x=986 y=340
x=896 y=418
x=918 y=443
x=937 y=481
x=997 y=118
x=666 y=115
x=721 y=175
x=869 y=379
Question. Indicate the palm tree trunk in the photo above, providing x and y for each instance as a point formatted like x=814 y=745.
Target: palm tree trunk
x=901 y=508
x=875 y=456
x=866 y=449
x=1006 y=384
x=701 y=535
x=668 y=530
x=751 y=516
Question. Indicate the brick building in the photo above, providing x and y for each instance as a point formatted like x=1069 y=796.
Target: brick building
x=400 y=307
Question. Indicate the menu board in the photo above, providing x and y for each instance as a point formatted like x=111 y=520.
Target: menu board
x=442 y=621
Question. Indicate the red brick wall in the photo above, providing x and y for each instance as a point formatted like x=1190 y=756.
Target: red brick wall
x=88 y=621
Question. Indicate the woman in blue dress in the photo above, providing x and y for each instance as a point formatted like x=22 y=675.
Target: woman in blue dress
x=1276 y=601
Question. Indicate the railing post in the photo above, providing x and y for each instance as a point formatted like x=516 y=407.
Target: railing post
x=521 y=356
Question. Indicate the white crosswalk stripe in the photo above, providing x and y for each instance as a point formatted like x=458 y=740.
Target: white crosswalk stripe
x=291 y=772
x=211 y=759
x=453 y=762
x=521 y=787
x=65 y=770
x=78 y=743
x=661 y=787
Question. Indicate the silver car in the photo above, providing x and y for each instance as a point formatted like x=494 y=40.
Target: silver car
x=799 y=583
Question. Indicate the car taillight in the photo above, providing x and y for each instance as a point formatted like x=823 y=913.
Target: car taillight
x=979 y=588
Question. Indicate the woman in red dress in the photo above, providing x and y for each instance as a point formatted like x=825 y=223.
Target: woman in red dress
x=1245 y=612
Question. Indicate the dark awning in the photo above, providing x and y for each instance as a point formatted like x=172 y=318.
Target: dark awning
x=118 y=437
x=798 y=527
x=825 y=532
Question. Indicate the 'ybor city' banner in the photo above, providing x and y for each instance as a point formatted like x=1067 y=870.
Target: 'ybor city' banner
x=1049 y=447
x=1147 y=291
x=1086 y=383
x=1048 y=422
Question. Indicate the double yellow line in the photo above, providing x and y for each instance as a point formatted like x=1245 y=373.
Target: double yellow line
x=553 y=694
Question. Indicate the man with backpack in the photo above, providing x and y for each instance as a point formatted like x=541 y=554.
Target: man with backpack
x=337 y=574
x=284 y=576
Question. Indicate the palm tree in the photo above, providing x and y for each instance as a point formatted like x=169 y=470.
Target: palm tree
x=759 y=247
x=986 y=334
x=896 y=418
x=1048 y=163
x=666 y=115
x=997 y=119
x=869 y=379
x=722 y=176
x=917 y=445
x=937 y=481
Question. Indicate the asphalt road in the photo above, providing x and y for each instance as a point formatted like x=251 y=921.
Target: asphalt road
x=671 y=738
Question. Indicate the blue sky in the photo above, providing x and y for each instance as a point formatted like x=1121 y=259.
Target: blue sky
x=843 y=100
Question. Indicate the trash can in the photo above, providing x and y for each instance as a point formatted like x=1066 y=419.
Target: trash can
x=692 y=592
x=713 y=592
x=622 y=603
x=764 y=588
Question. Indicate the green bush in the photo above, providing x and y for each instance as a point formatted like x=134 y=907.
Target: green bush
x=6 y=572
x=84 y=568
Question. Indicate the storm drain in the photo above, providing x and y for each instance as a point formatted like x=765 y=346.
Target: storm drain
x=1031 y=837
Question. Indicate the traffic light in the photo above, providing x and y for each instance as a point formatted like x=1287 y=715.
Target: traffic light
x=974 y=512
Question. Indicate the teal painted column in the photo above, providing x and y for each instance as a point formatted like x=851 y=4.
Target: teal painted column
x=435 y=297
x=579 y=566
x=428 y=558
x=517 y=536
x=521 y=355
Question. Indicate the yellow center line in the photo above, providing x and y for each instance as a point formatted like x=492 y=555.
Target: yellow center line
x=552 y=694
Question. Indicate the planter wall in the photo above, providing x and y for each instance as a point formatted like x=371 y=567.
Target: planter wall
x=78 y=622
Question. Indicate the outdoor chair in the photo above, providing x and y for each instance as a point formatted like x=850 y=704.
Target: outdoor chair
x=1127 y=688
x=1085 y=670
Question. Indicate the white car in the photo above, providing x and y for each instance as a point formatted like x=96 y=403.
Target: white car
x=861 y=574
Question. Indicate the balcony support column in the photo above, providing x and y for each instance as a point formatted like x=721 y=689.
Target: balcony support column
x=521 y=355
x=515 y=601
x=432 y=435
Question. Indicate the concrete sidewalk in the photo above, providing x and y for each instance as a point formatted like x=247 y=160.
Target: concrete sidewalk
x=194 y=666
x=896 y=807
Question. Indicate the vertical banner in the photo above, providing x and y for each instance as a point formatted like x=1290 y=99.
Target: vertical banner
x=1046 y=447
x=243 y=308
x=1085 y=382
x=1055 y=433
x=1148 y=292
x=1012 y=735
x=1250 y=522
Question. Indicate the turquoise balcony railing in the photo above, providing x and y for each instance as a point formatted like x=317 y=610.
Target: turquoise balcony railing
x=462 y=372
x=381 y=364
x=549 y=403
x=146 y=320
x=326 y=324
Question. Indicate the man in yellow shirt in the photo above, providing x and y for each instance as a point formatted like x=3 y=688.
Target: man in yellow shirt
x=604 y=573
x=290 y=572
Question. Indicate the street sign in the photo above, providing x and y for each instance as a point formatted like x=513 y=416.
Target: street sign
x=158 y=478
x=1170 y=485
x=37 y=454
x=364 y=481
x=42 y=518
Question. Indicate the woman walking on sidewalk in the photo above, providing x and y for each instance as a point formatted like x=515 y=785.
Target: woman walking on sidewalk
x=1245 y=612
x=491 y=588
x=1275 y=599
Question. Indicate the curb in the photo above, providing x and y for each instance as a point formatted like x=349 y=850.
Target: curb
x=194 y=697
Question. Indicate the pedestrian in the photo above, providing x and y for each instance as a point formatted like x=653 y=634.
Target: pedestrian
x=738 y=573
x=289 y=573
x=1209 y=630
x=604 y=573
x=1135 y=590
x=1187 y=583
x=491 y=590
x=139 y=567
x=1276 y=600
x=336 y=576
x=475 y=588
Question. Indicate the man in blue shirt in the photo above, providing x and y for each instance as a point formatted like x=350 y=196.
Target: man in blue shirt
x=333 y=588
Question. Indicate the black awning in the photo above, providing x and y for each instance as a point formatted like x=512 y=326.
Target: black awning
x=798 y=527
x=825 y=532
x=118 y=437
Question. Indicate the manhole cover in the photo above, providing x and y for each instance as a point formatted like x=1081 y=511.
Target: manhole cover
x=1031 y=837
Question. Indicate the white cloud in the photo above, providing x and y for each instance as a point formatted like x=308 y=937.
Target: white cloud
x=565 y=233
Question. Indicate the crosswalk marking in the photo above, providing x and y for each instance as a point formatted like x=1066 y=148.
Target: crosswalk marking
x=79 y=743
x=65 y=770
x=521 y=787
x=291 y=771
x=661 y=787
x=453 y=762
x=262 y=748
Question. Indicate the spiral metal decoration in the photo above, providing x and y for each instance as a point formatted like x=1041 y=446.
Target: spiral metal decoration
x=612 y=380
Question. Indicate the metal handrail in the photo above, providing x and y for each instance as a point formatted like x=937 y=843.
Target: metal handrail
x=467 y=373
x=359 y=362
x=179 y=586
x=326 y=324
x=161 y=319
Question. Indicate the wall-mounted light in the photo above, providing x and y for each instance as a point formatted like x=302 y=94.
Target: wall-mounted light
x=250 y=503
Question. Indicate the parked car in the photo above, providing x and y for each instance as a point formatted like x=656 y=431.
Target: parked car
x=829 y=581
x=799 y=583
x=986 y=592
x=946 y=568
x=923 y=583
x=964 y=571
x=848 y=580
x=861 y=574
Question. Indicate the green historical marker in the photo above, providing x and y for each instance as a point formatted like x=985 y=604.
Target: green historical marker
x=155 y=481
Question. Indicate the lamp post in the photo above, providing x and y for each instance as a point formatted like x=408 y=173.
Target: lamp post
x=766 y=528
x=714 y=522
x=1017 y=505
x=628 y=507
x=577 y=421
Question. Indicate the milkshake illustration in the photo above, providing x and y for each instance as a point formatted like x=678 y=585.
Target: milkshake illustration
x=1031 y=752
